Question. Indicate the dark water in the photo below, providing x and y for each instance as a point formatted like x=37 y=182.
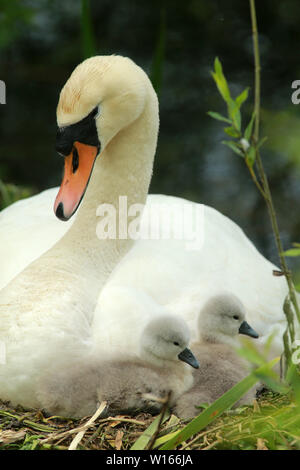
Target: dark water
x=41 y=42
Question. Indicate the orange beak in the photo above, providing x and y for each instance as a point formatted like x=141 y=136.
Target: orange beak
x=78 y=168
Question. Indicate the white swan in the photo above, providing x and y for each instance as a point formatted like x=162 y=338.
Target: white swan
x=165 y=271
x=172 y=275
x=47 y=310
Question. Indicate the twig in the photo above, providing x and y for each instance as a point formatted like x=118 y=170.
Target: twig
x=162 y=414
x=257 y=70
x=90 y=422
x=122 y=420
x=255 y=180
x=62 y=435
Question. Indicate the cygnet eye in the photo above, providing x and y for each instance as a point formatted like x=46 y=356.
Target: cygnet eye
x=175 y=343
x=236 y=317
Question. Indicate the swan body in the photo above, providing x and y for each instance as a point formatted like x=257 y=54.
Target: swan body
x=220 y=321
x=57 y=272
x=28 y=229
x=128 y=383
x=47 y=309
x=182 y=280
x=177 y=277
x=166 y=270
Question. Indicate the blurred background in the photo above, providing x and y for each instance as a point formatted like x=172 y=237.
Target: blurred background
x=41 y=41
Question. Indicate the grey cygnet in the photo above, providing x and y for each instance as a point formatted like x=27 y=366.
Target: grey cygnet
x=220 y=321
x=127 y=384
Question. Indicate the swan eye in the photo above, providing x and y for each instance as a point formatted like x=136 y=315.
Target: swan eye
x=175 y=343
x=236 y=317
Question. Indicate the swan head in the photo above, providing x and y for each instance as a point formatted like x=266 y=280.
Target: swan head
x=223 y=317
x=166 y=338
x=103 y=95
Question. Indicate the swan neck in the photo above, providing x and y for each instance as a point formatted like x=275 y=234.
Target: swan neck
x=120 y=178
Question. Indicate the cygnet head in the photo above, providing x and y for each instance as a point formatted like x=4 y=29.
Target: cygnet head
x=166 y=338
x=222 y=318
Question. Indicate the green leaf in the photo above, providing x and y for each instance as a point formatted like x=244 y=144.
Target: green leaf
x=219 y=117
x=234 y=113
x=292 y=252
x=242 y=97
x=222 y=85
x=231 y=131
x=218 y=67
x=248 y=131
x=223 y=403
x=251 y=353
x=233 y=145
x=161 y=440
x=142 y=442
x=274 y=384
x=268 y=344
x=221 y=81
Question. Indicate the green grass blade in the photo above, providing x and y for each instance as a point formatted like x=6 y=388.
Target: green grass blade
x=248 y=131
x=223 y=403
x=242 y=97
x=233 y=145
x=142 y=442
x=232 y=132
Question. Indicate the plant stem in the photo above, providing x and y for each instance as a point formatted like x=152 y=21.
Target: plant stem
x=257 y=71
x=275 y=227
x=254 y=178
x=162 y=414
x=262 y=174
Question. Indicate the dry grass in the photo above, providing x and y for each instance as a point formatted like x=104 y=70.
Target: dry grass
x=271 y=423
x=29 y=430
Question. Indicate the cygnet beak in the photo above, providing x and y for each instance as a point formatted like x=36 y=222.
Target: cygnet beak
x=245 y=329
x=187 y=356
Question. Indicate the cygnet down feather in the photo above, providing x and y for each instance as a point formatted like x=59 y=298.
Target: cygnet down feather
x=127 y=384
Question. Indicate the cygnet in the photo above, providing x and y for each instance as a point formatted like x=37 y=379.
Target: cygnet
x=127 y=384
x=220 y=322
